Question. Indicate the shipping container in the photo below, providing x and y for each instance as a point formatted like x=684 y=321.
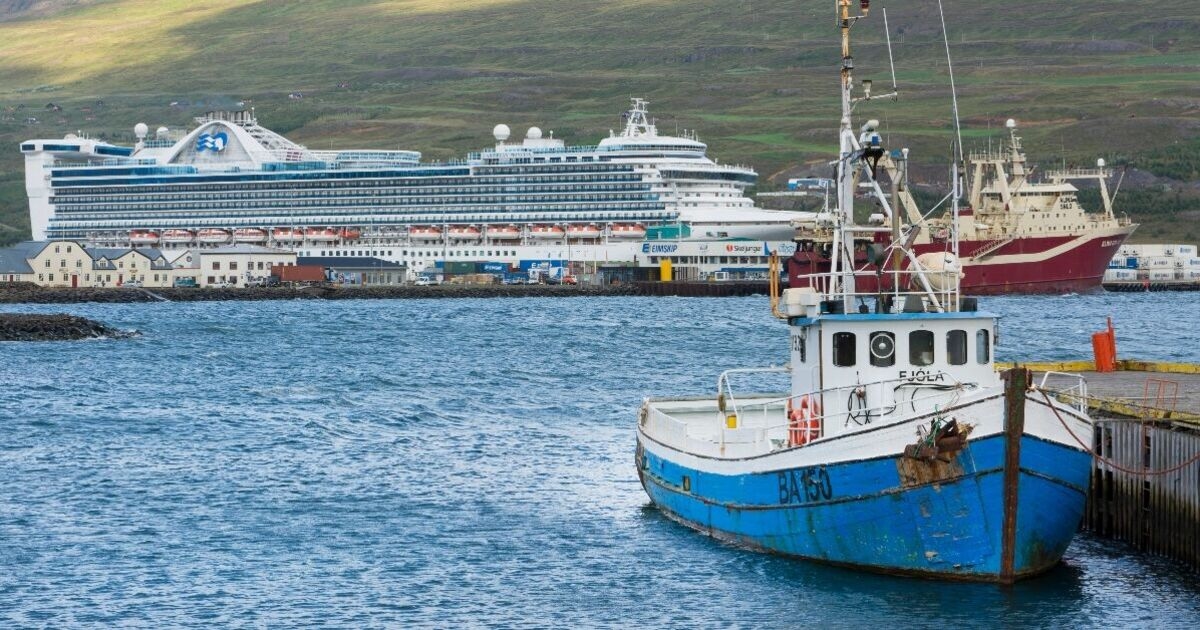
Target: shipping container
x=1157 y=262
x=1193 y=263
x=1185 y=250
x=1161 y=275
x=494 y=267
x=298 y=273
x=1120 y=275
x=458 y=267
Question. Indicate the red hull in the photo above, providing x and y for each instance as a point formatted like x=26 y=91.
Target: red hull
x=1036 y=265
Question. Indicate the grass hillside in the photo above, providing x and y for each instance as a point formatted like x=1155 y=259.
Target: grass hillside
x=757 y=78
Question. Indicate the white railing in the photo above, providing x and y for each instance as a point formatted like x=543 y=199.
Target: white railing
x=1076 y=394
x=934 y=291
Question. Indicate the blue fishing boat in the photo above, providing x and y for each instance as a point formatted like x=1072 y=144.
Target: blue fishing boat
x=899 y=447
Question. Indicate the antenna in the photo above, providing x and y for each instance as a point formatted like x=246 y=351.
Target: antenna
x=888 y=33
x=953 y=90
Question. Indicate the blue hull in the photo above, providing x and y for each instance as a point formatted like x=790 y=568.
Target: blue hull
x=862 y=514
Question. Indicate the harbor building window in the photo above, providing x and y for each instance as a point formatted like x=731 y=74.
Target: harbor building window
x=956 y=347
x=844 y=349
x=233 y=265
x=920 y=347
x=982 y=346
x=216 y=266
x=883 y=349
x=47 y=263
x=212 y=280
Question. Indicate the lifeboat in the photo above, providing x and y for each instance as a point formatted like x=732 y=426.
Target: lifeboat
x=583 y=231
x=287 y=235
x=178 y=236
x=627 y=230
x=546 y=232
x=423 y=232
x=213 y=235
x=504 y=232
x=351 y=234
x=249 y=235
x=463 y=233
x=321 y=235
x=143 y=237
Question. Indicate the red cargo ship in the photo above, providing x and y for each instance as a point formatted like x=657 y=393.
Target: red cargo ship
x=1015 y=236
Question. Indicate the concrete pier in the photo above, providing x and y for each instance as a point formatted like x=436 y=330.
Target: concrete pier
x=1146 y=448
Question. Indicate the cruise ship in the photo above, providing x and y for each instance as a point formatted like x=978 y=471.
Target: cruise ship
x=231 y=180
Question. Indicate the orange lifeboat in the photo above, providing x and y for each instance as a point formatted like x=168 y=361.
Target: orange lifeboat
x=463 y=233
x=628 y=230
x=178 y=236
x=287 y=235
x=504 y=232
x=583 y=231
x=424 y=232
x=213 y=235
x=321 y=235
x=546 y=232
x=351 y=234
x=249 y=235
x=143 y=237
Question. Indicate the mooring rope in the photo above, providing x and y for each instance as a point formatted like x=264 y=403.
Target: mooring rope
x=1109 y=462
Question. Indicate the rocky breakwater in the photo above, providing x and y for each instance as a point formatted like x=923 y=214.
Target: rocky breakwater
x=33 y=327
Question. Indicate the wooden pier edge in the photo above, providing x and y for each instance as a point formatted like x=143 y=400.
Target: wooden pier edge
x=1087 y=365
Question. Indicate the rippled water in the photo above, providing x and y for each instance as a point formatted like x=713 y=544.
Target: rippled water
x=448 y=463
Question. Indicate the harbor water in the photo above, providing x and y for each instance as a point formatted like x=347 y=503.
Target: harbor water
x=457 y=462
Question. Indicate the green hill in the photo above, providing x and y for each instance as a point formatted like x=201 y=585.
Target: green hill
x=756 y=78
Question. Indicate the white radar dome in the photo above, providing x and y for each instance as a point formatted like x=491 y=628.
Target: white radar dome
x=161 y=132
x=1100 y=163
x=1010 y=123
x=534 y=133
x=501 y=132
x=140 y=130
x=942 y=269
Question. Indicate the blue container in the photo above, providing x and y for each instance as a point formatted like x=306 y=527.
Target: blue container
x=1131 y=262
x=494 y=267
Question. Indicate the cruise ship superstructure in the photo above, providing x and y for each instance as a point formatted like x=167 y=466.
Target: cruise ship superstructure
x=231 y=180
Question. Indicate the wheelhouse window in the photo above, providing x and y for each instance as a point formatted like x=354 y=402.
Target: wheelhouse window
x=844 y=349
x=983 y=346
x=883 y=349
x=920 y=347
x=956 y=347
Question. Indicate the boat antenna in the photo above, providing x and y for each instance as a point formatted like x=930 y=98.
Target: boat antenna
x=891 y=62
x=956 y=187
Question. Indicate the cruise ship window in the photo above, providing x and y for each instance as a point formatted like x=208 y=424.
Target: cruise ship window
x=956 y=347
x=920 y=347
x=844 y=349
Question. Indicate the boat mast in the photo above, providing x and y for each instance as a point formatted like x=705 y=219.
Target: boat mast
x=842 y=270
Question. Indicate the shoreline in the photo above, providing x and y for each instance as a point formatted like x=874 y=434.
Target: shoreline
x=29 y=294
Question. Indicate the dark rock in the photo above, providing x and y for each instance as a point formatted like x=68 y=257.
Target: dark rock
x=22 y=327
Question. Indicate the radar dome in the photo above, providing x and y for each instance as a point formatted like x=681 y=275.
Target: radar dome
x=942 y=270
x=140 y=130
x=161 y=132
x=534 y=133
x=501 y=132
x=1100 y=163
x=1010 y=123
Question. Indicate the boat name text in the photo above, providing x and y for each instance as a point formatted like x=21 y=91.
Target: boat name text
x=922 y=376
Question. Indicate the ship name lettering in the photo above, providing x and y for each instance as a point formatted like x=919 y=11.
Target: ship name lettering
x=922 y=376
x=804 y=485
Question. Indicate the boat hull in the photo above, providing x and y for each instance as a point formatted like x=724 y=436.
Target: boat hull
x=866 y=514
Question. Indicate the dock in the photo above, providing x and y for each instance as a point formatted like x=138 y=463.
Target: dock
x=1145 y=487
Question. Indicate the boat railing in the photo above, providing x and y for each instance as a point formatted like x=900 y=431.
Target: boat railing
x=908 y=290
x=1075 y=395
x=761 y=418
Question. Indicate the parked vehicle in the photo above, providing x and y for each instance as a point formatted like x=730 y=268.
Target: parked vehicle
x=185 y=283
x=132 y=284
